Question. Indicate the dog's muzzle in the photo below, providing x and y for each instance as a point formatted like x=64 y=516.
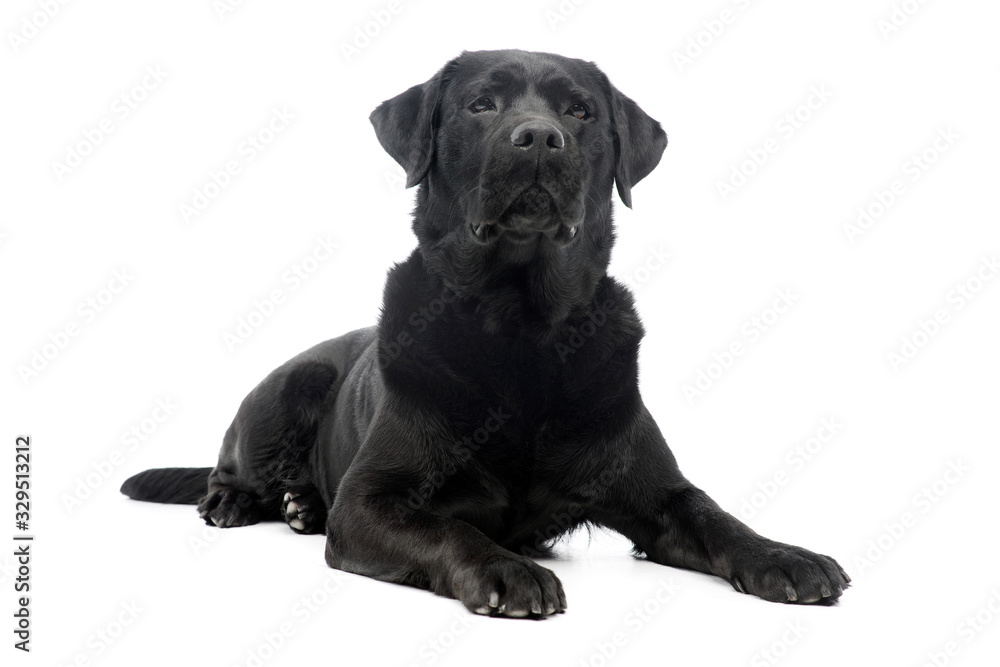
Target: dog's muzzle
x=540 y=196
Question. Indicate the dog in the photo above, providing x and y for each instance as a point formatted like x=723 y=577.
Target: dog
x=495 y=406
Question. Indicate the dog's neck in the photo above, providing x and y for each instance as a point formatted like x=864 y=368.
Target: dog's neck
x=528 y=292
x=533 y=298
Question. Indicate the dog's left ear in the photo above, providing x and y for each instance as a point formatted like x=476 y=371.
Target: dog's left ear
x=639 y=143
x=406 y=125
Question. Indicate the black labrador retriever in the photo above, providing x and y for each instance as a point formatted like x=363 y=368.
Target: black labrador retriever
x=496 y=405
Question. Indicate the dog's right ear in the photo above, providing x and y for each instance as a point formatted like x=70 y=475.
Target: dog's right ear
x=406 y=126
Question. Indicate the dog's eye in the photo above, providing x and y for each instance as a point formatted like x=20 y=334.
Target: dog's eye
x=482 y=104
x=578 y=110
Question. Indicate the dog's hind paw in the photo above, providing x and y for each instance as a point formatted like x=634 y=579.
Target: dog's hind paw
x=227 y=507
x=303 y=510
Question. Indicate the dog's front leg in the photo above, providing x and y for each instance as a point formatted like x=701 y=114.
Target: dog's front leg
x=695 y=533
x=448 y=556
x=376 y=528
x=675 y=523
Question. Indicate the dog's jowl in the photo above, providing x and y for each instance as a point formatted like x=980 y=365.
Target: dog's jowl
x=495 y=405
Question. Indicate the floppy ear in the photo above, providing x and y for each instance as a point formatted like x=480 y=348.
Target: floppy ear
x=639 y=143
x=406 y=124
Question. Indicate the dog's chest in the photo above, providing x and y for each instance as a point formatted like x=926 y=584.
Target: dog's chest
x=524 y=415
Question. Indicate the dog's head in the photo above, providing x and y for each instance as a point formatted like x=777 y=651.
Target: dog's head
x=517 y=154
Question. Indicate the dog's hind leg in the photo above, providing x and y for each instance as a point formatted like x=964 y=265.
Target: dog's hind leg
x=227 y=505
x=266 y=449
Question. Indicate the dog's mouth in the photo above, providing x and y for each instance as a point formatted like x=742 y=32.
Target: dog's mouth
x=532 y=216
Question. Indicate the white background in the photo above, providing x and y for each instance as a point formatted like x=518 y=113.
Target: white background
x=921 y=564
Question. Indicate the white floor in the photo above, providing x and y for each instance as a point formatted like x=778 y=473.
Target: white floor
x=127 y=582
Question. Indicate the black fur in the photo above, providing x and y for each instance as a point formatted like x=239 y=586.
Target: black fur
x=496 y=405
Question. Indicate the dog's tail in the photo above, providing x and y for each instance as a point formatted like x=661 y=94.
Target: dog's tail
x=185 y=486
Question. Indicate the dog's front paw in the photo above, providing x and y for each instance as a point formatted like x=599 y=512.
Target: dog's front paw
x=784 y=573
x=510 y=586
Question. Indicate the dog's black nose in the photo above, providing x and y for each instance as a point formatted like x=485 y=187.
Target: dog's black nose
x=545 y=133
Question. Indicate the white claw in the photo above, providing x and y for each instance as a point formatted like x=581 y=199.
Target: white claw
x=517 y=613
x=494 y=599
x=297 y=524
